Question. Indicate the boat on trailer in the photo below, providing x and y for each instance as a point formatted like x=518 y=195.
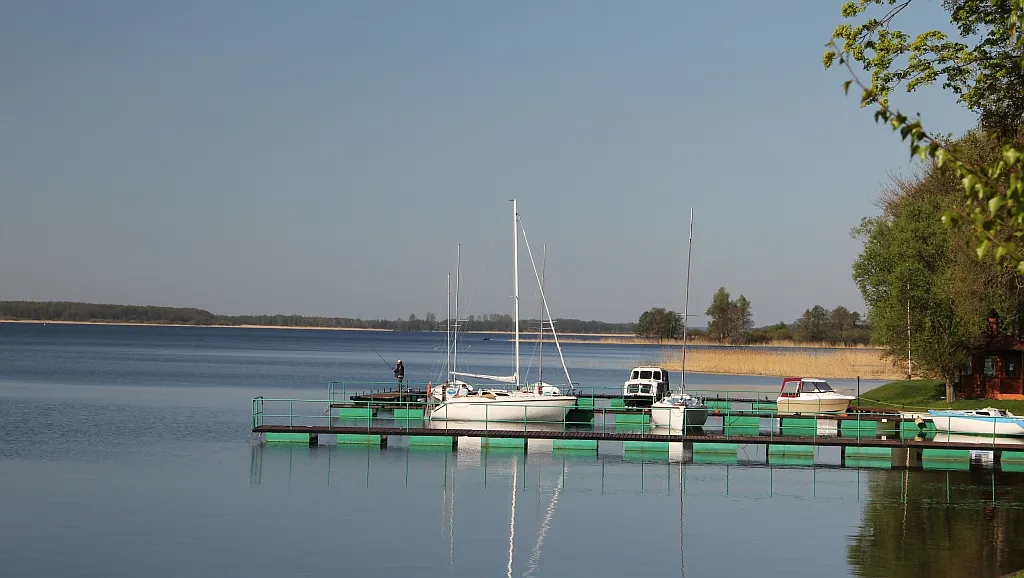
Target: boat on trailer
x=986 y=421
x=539 y=403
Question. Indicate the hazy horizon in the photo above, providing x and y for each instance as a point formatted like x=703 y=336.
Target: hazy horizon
x=325 y=158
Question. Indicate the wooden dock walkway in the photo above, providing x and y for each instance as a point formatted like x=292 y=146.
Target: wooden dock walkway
x=634 y=436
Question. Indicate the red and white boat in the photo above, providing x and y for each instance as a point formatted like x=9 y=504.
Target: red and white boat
x=810 y=395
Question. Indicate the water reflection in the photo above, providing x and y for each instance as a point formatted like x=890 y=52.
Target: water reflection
x=912 y=522
x=940 y=524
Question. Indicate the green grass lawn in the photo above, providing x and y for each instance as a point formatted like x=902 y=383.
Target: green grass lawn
x=927 y=394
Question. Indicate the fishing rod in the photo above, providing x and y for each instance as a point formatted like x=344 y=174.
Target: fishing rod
x=384 y=360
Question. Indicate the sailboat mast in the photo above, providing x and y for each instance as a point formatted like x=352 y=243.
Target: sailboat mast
x=455 y=334
x=515 y=279
x=540 y=366
x=686 y=303
x=448 y=331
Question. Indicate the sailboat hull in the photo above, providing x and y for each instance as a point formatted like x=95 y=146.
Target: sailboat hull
x=534 y=408
x=676 y=417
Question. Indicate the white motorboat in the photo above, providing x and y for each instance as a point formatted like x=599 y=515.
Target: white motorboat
x=680 y=410
x=646 y=384
x=987 y=421
x=540 y=403
x=809 y=395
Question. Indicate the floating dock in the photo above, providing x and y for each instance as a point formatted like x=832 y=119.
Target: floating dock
x=864 y=439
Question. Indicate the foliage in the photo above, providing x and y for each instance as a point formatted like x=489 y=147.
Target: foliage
x=778 y=332
x=659 y=323
x=986 y=77
x=730 y=319
x=910 y=259
x=813 y=324
x=838 y=326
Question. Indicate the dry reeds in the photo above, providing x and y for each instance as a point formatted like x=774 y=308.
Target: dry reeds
x=823 y=363
x=630 y=340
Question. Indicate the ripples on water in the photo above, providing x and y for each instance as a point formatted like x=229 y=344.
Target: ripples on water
x=126 y=452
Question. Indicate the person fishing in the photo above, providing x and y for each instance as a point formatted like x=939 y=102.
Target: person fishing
x=399 y=374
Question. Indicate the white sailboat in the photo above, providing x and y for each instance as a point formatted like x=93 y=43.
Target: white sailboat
x=681 y=410
x=537 y=404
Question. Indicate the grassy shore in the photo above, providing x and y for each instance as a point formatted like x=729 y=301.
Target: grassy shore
x=920 y=394
x=824 y=363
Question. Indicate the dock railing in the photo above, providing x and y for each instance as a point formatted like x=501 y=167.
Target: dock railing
x=742 y=425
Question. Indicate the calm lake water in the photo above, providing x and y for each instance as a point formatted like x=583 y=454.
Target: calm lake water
x=126 y=451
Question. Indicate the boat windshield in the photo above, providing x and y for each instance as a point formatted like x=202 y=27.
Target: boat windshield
x=815 y=386
x=646 y=374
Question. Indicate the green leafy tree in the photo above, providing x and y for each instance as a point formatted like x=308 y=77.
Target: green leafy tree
x=910 y=258
x=720 y=326
x=730 y=319
x=813 y=325
x=842 y=322
x=742 y=316
x=657 y=322
x=984 y=68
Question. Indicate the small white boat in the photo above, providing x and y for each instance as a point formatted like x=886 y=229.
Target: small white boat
x=988 y=421
x=808 y=395
x=680 y=410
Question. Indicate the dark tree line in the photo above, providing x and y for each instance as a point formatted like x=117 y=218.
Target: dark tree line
x=731 y=321
x=94 y=312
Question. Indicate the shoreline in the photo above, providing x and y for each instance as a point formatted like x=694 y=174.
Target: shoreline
x=215 y=326
x=576 y=338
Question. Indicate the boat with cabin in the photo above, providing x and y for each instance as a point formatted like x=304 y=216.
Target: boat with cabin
x=986 y=421
x=646 y=384
x=810 y=395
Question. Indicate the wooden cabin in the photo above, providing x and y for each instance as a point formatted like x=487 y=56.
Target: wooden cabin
x=994 y=369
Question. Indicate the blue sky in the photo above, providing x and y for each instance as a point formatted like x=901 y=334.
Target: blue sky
x=325 y=157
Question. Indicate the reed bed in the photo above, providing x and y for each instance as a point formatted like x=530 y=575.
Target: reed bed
x=823 y=363
x=629 y=340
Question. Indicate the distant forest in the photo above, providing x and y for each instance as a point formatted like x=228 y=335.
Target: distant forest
x=103 y=313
